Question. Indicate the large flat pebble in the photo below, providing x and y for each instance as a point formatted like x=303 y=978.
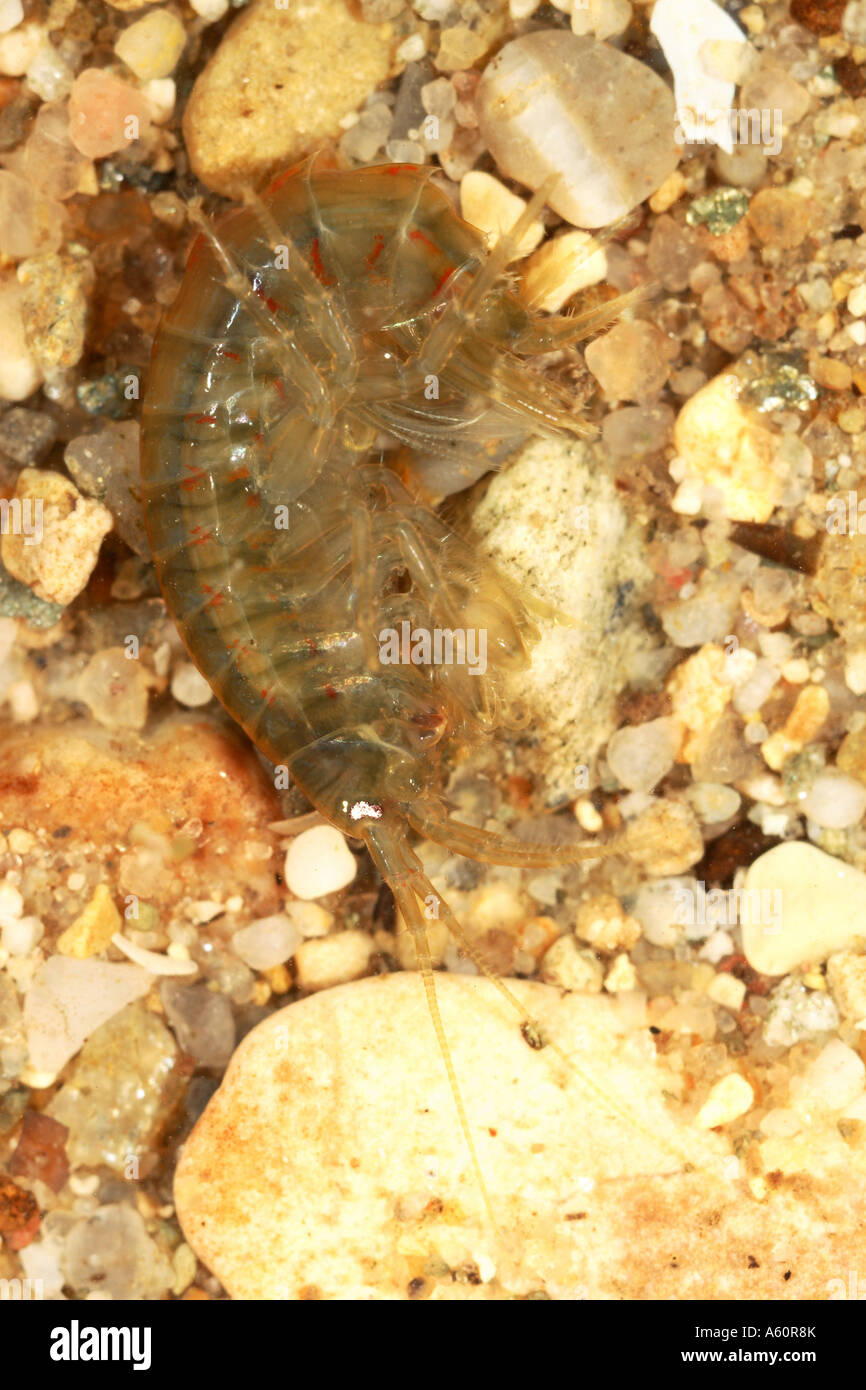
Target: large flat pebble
x=330 y=1162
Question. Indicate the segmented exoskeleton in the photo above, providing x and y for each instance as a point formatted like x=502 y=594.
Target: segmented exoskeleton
x=333 y=309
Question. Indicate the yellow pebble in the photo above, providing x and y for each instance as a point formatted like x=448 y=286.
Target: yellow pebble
x=279 y=979
x=152 y=46
x=729 y=1098
x=92 y=931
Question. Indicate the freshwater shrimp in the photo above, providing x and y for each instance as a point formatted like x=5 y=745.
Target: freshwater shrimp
x=334 y=308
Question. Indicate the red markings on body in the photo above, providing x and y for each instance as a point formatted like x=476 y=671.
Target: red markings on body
x=331 y=692
x=416 y=235
x=318 y=268
x=238 y=474
x=224 y=352
x=378 y=245
x=443 y=280
x=313 y=645
x=191 y=483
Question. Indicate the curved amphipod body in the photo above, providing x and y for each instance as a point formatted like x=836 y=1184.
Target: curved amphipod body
x=336 y=308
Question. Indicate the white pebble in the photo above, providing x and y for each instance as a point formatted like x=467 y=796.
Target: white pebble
x=689 y=31
x=311 y=919
x=570 y=968
x=189 y=687
x=835 y=801
x=727 y=990
x=210 y=10
x=20 y=937
x=713 y=801
x=804 y=905
x=855 y=671
x=11 y=14
x=333 y=960
x=19 y=47
x=11 y=903
x=640 y=756
x=318 y=861
x=267 y=942
x=553 y=103
x=835 y=1079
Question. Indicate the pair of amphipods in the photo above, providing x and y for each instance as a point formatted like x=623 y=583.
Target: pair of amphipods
x=309 y=323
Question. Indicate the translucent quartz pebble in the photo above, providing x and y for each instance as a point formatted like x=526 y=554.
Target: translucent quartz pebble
x=48 y=160
x=119 y=1089
x=114 y=688
x=202 y=1021
x=69 y=1000
x=110 y=1254
x=105 y=466
x=29 y=223
x=551 y=103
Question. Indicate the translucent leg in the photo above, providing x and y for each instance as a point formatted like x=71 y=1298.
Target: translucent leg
x=473 y=843
x=394 y=860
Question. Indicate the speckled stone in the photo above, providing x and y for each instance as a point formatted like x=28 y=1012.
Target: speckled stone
x=278 y=85
x=286 y=1189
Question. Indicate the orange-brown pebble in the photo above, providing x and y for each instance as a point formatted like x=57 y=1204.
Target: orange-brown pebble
x=80 y=785
x=780 y=218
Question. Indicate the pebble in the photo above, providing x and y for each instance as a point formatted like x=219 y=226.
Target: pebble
x=318 y=861
x=846 y=980
x=323 y=962
x=202 y=1021
x=820 y=900
x=699 y=696
x=631 y=361
x=855 y=670
x=622 y=977
x=20 y=937
x=673 y=253
x=723 y=445
x=69 y=999
x=250 y=114
x=318 y=1085
x=666 y=838
x=30 y=223
x=489 y=206
x=728 y=1100
x=105 y=113
x=55 y=306
x=311 y=919
x=780 y=218
x=92 y=931
x=109 y=1255
x=833 y=1081
x=18 y=48
x=210 y=10
x=119 y=1090
x=26 y=436
x=565 y=965
x=151 y=47
x=105 y=465
x=20 y=373
x=640 y=756
x=554 y=103
x=604 y=923
x=72 y=774
x=58 y=568
x=114 y=689
x=835 y=801
x=11 y=15
x=268 y=942
x=593 y=559
x=727 y=990
x=560 y=268
x=713 y=802
x=189 y=687
x=806 y=719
